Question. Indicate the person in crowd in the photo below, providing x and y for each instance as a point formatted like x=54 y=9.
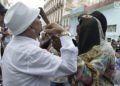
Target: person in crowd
x=117 y=78
x=24 y=63
x=0 y=42
x=55 y=49
x=114 y=44
x=96 y=59
x=2 y=13
x=117 y=49
x=118 y=39
x=118 y=46
x=52 y=44
x=100 y=16
x=5 y=32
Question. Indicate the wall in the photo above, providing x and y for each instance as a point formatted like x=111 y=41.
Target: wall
x=113 y=18
x=74 y=19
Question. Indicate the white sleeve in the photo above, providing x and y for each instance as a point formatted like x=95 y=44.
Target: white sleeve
x=43 y=63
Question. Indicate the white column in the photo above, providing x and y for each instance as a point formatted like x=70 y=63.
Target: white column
x=57 y=14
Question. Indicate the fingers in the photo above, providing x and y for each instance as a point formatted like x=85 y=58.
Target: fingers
x=49 y=31
x=54 y=29
x=50 y=26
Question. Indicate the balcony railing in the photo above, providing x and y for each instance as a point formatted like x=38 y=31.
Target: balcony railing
x=54 y=7
x=98 y=5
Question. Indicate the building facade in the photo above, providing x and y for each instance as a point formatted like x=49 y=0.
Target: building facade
x=59 y=11
x=112 y=14
x=54 y=10
x=66 y=12
x=108 y=8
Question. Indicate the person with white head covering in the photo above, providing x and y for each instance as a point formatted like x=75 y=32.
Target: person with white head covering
x=24 y=63
x=96 y=60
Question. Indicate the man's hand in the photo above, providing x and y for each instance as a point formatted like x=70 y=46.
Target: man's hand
x=54 y=29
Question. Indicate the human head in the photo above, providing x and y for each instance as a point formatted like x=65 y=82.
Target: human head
x=113 y=41
x=100 y=16
x=119 y=37
x=88 y=34
x=23 y=20
x=2 y=13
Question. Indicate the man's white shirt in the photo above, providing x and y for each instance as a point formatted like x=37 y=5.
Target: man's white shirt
x=24 y=63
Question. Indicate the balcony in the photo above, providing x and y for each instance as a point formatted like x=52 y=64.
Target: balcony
x=98 y=5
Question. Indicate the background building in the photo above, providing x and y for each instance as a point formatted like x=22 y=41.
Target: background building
x=66 y=12
x=112 y=14
x=110 y=8
x=54 y=10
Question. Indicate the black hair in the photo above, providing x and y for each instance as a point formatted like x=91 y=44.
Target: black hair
x=2 y=10
x=88 y=33
x=74 y=42
x=45 y=44
x=102 y=20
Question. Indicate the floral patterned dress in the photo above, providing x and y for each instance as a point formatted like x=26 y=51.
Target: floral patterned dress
x=95 y=68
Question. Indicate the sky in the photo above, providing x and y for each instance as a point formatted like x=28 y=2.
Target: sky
x=34 y=3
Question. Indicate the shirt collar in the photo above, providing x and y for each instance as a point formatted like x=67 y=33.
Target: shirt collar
x=27 y=40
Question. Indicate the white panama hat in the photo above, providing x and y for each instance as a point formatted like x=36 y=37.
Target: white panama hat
x=19 y=17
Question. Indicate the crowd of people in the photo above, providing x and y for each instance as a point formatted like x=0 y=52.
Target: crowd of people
x=5 y=35
x=116 y=46
x=56 y=59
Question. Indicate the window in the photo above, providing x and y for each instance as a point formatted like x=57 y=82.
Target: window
x=109 y=39
x=111 y=28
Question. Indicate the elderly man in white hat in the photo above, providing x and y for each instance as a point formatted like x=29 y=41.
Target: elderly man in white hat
x=24 y=62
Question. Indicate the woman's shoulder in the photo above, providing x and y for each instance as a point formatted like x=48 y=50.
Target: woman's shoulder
x=108 y=50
